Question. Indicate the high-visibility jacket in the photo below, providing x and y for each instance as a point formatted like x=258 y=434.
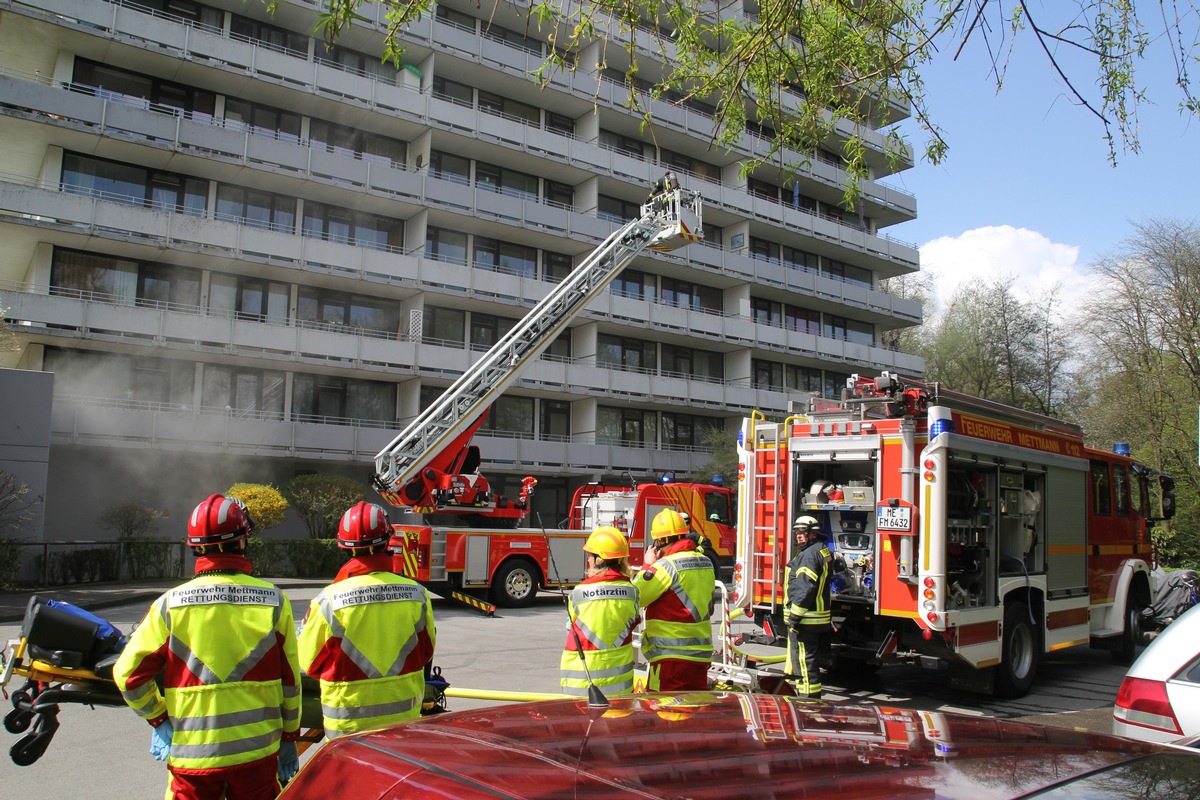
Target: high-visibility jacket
x=367 y=640
x=226 y=644
x=677 y=593
x=806 y=585
x=604 y=612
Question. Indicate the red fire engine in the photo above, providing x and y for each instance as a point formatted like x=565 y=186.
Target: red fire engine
x=631 y=511
x=971 y=532
x=430 y=468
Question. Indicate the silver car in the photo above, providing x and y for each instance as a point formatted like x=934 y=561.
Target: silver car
x=1159 y=700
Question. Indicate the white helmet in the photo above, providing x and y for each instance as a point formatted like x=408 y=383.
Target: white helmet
x=808 y=523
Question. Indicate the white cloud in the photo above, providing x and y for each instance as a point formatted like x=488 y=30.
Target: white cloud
x=994 y=252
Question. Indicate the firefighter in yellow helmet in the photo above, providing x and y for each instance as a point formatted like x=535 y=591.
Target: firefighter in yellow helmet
x=604 y=612
x=806 y=615
x=225 y=643
x=368 y=636
x=676 y=589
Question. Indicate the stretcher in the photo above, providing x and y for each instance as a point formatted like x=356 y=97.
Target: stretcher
x=63 y=658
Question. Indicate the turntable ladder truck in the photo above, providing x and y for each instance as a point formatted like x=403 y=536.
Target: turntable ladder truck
x=510 y=563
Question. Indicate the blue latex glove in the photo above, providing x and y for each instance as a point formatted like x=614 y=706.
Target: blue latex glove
x=160 y=741
x=289 y=761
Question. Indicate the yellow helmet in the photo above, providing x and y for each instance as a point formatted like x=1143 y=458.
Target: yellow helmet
x=668 y=522
x=608 y=543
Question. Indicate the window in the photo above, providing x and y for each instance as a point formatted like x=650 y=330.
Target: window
x=443 y=325
x=243 y=391
x=168 y=284
x=685 y=430
x=798 y=259
x=689 y=362
x=365 y=313
x=685 y=294
x=695 y=166
x=766 y=375
x=455 y=18
x=513 y=259
x=766 y=312
x=364 y=64
x=634 y=283
x=324 y=398
x=277 y=38
x=457 y=93
x=90 y=276
x=860 y=332
x=560 y=123
x=804 y=320
x=834 y=383
x=120 y=377
x=487 y=329
x=357 y=143
x=834 y=327
x=1101 y=489
x=507 y=107
x=256 y=209
x=262 y=120
x=132 y=185
x=109 y=81
x=763 y=250
x=760 y=188
x=623 y=144
x=445 y=245
x=513 y=38
x=450 y=167
x=560 y=194
x=617 y=210
x=1121 y=489
x=556 y=266
x=848 y=273
x=357 y=228
x=631 y=427
x=512 y=415
x=625 y=353
x=501 y=180
x=560 y=348
x=555 y=422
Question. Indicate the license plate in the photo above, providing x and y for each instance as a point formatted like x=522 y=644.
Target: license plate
x=893 y=518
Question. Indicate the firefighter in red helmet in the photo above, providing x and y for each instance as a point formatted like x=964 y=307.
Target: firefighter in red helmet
x=225 y=643
x=368 y=637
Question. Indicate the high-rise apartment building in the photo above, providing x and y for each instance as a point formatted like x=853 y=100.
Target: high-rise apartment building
x=245 y=255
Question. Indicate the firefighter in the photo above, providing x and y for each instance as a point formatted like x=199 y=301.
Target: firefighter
x=604 y=611
x=225 y=643
x=703 y=546
x=806 y=615
x=369 y=636
x=676 y=589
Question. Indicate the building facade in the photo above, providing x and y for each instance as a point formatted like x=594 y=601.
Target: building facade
x=246 y=255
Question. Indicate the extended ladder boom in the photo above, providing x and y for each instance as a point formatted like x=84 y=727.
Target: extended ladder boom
x=668 y=221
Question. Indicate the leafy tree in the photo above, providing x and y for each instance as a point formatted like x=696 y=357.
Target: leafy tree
x=266 y=505
x=1143 y=328
x=796 y=72
x=724 y=459
x=320 y=501
x=130 y=520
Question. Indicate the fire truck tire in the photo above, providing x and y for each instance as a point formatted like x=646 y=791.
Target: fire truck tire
x=1125 y=650
x=1018 y=653
x=515 y=584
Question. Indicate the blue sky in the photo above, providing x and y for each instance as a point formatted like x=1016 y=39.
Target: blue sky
x=1027 y=188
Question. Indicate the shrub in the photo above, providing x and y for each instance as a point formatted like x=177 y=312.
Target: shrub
x=320 y=501
x=271 y=558
x=266 y=505
x=315 y=558
x=10 y=562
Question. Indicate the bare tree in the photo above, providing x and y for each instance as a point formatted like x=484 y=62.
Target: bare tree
x=16 y=505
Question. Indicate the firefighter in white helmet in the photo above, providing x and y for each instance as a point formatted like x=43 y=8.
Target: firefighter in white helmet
x=806 y=615
x=225 y=644
x=369 y=635
x=676 y=589
x=604 y=611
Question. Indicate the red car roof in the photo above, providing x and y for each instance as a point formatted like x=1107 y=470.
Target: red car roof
x=705 y=745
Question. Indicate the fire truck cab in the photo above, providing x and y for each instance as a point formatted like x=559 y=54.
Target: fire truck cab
x=970 y=532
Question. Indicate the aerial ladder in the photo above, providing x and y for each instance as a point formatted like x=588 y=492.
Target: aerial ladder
x=431 y=467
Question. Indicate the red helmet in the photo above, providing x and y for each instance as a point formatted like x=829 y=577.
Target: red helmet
x=217 y=520
x=364 y=525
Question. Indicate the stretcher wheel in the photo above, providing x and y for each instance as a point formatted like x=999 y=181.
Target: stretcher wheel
x=17 y=721
x=30 y=748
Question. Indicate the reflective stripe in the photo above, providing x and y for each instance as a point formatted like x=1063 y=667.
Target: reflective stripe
x=230 y=719
x=229 y=749
x=610 y=672
x=338 y=630
x=364 y=712
x=624 y=687
x=677 y=587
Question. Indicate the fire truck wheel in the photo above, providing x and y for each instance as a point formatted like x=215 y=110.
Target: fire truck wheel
x=1126 y=647
x=1018 y=653
x=515 y=584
